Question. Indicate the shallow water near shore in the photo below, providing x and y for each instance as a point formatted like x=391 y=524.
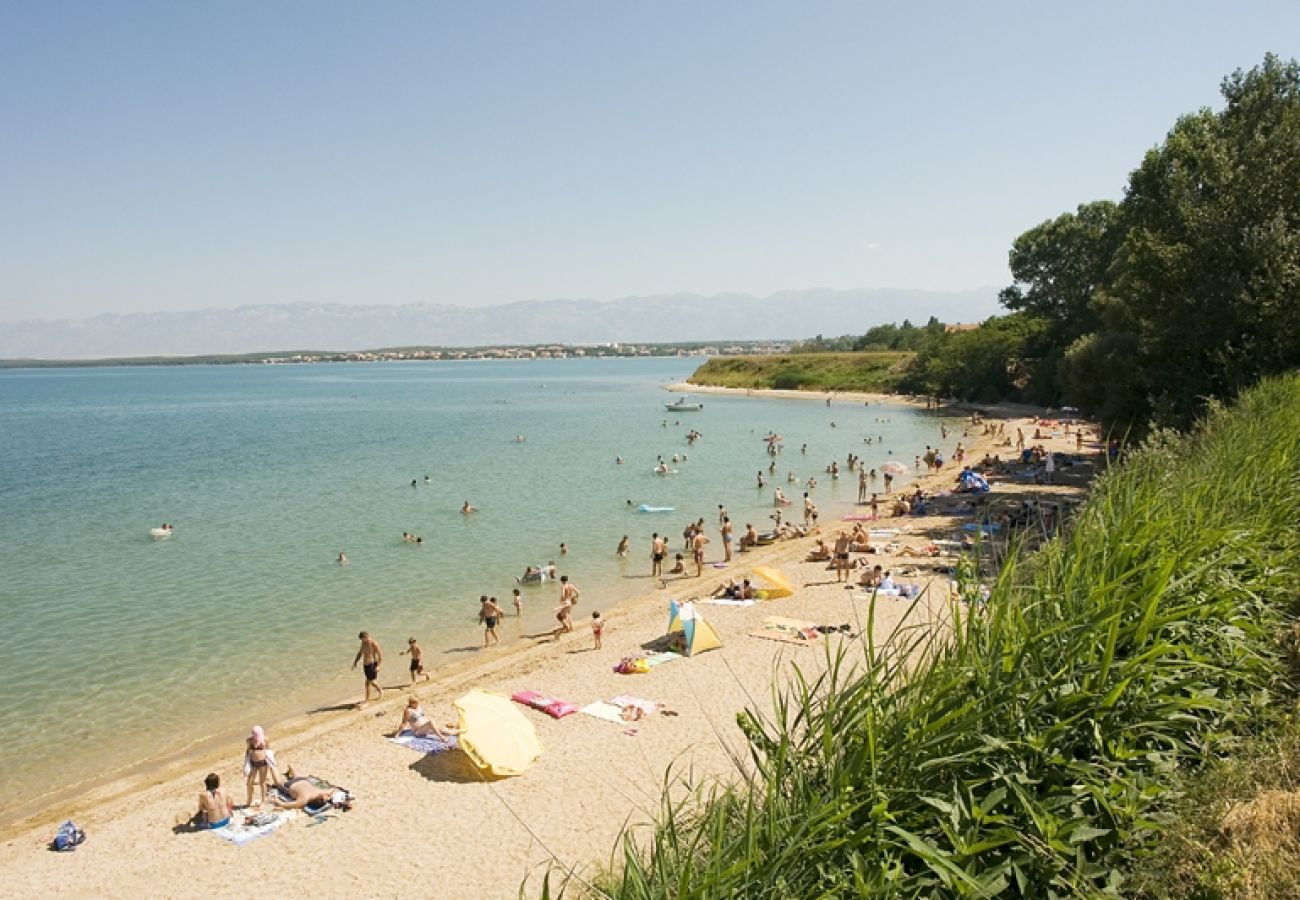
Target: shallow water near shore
x=121 y=648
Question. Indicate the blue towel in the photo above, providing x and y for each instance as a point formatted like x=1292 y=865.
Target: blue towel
x=425 y=744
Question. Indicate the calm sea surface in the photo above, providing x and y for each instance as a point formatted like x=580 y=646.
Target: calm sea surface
x=118 y=648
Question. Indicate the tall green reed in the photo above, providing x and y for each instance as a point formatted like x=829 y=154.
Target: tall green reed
x=1027 y=746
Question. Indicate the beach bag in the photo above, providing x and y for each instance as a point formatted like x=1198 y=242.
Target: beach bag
x=68 y=838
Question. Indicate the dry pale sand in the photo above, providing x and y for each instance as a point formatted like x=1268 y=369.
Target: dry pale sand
x=431 y=825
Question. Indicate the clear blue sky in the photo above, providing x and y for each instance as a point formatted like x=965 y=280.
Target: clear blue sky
x=165 y=156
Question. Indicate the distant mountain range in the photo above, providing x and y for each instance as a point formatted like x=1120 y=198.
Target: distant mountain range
x=329 y=326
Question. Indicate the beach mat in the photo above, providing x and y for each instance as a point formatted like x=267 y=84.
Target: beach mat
x=658 y=659
x=728 y=601
x=611 y=710
x=240 y=834
x=789 y=631
x=425 y=744
x=605 y=711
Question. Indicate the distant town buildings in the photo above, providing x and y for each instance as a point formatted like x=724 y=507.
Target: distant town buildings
x=545 y=351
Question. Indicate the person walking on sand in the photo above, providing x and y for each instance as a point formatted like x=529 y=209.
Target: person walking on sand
x=563 y=614
x=370 y=656
x=875 y=507
x=569 y=592
x=842 y=542
x=697 y=548
x=658 y=547
x=417 y=659
x=726 y=538
x=490 y=613
x=597 y=629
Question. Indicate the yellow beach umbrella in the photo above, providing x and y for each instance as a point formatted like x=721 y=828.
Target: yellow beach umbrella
x=780 y=586
x=495 y=735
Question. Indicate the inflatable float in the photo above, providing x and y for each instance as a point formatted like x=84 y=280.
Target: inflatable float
x=159 y=533
x=647 y=508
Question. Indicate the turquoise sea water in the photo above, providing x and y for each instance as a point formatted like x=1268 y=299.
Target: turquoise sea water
x=118 y=647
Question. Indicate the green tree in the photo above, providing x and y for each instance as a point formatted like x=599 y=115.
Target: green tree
x=1209 y=267
x=1060 y=264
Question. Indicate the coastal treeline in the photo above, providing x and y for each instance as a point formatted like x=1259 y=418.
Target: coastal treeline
x=1185 y=290
x=1034 y=747
x=1144 y=310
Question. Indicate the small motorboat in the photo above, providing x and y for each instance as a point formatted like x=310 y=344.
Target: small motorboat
x=684 y=403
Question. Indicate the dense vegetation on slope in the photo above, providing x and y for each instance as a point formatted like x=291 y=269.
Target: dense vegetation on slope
x=1033 y=750
x=878 y=371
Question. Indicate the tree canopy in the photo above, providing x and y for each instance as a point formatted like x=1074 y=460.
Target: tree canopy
x=1186 y=290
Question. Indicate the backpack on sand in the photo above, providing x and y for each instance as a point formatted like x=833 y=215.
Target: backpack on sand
x=69 y=837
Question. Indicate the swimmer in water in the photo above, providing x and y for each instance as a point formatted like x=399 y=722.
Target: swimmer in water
x=467 y=509
x=618 y=460
x=622 y=547
x=342 y=560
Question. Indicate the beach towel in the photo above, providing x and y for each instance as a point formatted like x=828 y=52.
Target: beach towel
x=428 y=744
x=604 y=711
x=728 y=601
x=647 y=707
x=622 y=709
x=240 y=834
x=556 y=709
x=658 y=659
x=789 y=631
x=341 y=797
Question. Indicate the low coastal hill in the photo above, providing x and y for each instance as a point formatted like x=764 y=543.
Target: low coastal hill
x=873 y=372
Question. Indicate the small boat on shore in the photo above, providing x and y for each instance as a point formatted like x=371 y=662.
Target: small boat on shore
x=684 y=403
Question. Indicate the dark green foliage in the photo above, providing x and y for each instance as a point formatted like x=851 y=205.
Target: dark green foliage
x=1031 y=748
x=806 y=371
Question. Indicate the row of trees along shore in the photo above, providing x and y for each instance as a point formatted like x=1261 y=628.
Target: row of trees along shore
x=1142 y=311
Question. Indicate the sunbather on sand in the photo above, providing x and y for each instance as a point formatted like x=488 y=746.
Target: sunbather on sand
x=414 y=719
x=819 y=553
x=215 y=805
x=303 y=794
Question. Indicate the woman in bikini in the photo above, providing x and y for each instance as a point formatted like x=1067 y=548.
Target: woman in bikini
x=258 y=762
x=415 y=720
x=215 y=806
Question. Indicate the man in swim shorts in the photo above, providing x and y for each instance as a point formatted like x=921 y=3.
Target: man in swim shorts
x=658 y=547
x=490 y=613
x=842 y=542
x=303 y=794
x=417 y=659
x=370 y=656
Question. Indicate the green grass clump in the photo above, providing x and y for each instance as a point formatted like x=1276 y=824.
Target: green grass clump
x=1032 y=749
x=877 y=371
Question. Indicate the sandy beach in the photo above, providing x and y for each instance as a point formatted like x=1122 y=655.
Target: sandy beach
x=426 y=825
